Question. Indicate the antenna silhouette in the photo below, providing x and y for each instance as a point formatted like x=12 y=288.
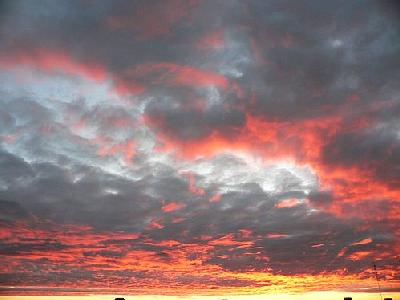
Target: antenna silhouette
x=377 y=280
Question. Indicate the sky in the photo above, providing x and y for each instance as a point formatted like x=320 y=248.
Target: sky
x=200 y=148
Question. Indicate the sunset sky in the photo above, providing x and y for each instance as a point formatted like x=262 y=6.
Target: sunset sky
x=219 y=148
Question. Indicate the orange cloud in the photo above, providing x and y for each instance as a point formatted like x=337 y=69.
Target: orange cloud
x=360 y=255
x=229 y=240
x=363 y=242
x=277 y=235
x=287 y=203
x=165 y=262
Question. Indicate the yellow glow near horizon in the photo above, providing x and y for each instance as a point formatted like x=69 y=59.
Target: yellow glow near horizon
x=306 y=296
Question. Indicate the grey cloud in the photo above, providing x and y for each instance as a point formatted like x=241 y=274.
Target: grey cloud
x=188 y=124
x=12 y=211
x=375 y=151
x=13 y=169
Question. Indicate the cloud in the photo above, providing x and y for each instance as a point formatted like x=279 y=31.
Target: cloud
x=198 y=146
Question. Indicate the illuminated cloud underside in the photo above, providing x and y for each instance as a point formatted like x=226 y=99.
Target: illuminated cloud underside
x=199 y=147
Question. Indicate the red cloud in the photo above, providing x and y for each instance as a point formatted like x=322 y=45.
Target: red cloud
x=127 y=148
x=192 y=185
x=139 y=78
x=303 y=142
x=215 y=198
x=134 y=81
x=51 y=60
x=287 y=203
x=172 y=206
x=212 y=40
x=169 y=74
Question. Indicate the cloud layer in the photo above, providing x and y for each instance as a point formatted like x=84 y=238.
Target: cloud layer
x=199 y=147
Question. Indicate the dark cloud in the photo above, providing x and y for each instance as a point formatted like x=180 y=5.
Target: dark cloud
x=12 y=211
x=14 y=170
x=376 y=152
x=178 y=119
